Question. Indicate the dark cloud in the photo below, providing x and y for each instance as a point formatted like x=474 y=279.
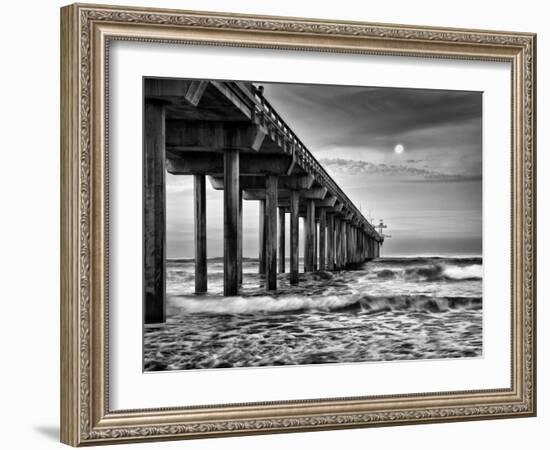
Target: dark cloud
x=441 y=127
x=413 y=109
x=407 y=109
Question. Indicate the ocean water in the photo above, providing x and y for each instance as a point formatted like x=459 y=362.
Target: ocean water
x=387 y=309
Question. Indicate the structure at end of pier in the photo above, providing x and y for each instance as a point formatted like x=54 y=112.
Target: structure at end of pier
x=227 y=131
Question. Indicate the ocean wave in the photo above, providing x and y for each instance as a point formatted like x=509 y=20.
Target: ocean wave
x=386 y=274
x=473 y=272
x=418 y=303
x=259 y=304
x=415 y=260
x=332 y=303
x=439 y=272
x=435 y=272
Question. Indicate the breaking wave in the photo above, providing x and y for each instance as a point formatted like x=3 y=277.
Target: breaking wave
x=415 y=260
x=436 y=272
x=259 y=304
x=333 y=303
x=473 y=272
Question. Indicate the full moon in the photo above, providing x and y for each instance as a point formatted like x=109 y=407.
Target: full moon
x=399 y=149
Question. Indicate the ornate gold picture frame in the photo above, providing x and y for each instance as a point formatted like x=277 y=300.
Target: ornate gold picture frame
x=87 y=32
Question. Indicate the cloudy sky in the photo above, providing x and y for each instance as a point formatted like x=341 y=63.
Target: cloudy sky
x=408 y=156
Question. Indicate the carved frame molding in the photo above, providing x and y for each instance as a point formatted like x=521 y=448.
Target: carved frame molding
x=86 y=31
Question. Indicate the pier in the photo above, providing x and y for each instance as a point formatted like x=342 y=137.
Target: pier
x=228 y=133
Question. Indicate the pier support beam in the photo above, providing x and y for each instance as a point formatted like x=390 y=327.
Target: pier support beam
x=281 y=240
x=337 y=244
x=230 y=222
x=371 y=247
x=294 y=244
x=340 y=244
x=357 y=246
x=370 y=243
x=271 y=232
x=309 y=234
x=154 y=213
x=344 y=244
x=322 y=238
x=351 y=243
x=354 y=244
x=240 y=243
x=315 y=246
x=330 y=242
x=200 y=234
x=261 y=242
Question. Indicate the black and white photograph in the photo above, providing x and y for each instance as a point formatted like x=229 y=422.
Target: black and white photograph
x=294 y=224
